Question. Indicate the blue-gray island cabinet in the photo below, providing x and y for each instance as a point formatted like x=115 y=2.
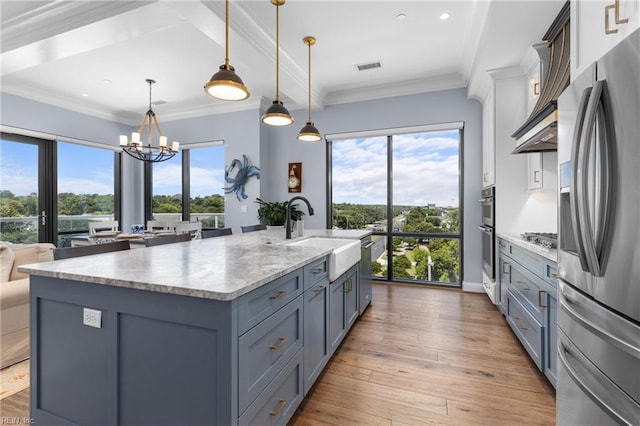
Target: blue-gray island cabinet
x=170 y=350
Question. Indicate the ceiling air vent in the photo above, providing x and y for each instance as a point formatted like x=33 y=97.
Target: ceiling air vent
x=369 y=66
x=158 y=102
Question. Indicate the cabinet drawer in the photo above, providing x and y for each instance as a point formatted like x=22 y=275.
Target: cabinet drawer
x=550 y=273
x=265 y=349
x=279 y=401
x=260 y=303
x=503 y=246
x=315 y=272
x=526 y=328
x=527 y=288
x=529 y=260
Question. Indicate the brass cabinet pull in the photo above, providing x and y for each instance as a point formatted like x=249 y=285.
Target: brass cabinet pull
x=278 y=345
x=523 y=287
x=485 y=177
x=281 y=405
x=319 y=289
x=317 y=271
x=519 y=326
x=616 y=7
x=280 y=294
x=555 y=275
x=348 y=288
x=540 y=293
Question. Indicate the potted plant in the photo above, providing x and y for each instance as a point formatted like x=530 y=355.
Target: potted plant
x=275 y=213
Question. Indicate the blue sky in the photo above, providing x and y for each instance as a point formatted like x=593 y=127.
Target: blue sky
x=87 y=170
x=426 y=170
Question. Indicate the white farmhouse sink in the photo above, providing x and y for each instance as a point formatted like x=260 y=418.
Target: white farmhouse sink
x=344 y=254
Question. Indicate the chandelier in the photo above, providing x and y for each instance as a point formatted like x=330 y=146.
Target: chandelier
x=149 y=153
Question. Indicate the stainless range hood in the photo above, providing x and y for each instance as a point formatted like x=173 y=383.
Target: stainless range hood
x=540 y=132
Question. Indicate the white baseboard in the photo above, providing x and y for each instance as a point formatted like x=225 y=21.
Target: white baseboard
x=472 y=287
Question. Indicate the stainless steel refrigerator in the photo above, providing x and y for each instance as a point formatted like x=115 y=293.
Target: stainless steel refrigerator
x=598 y=380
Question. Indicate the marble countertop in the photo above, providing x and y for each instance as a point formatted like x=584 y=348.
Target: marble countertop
x=221 y=268
x=551 y=254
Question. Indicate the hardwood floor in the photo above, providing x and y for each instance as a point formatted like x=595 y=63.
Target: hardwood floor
x=429 y=356
x=419 y=356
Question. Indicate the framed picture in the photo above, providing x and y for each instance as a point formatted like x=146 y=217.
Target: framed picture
x=294 y=177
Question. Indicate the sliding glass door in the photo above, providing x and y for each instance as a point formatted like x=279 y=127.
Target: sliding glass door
x=26 y=187
x=405 y=188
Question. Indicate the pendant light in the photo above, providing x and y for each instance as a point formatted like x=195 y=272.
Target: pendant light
x=277 y=114
x=309 y=133
x=226 y=84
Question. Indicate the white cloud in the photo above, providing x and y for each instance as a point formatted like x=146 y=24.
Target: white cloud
x=424 y=171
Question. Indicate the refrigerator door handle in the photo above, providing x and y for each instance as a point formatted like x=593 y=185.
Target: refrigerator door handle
x=600 y=389
x=594 y=237
x=606 y=326
x=573 y=195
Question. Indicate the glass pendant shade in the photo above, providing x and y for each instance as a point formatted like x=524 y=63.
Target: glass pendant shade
x=309 y=133
x=277 y=115
x=227 y=85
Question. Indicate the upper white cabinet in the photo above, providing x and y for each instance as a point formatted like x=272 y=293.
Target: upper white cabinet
x=488 y=141
x=597 y=26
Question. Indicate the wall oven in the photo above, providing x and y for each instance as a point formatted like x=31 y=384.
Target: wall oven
x=487 y=228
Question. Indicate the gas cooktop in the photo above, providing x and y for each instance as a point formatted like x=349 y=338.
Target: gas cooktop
x=544 y=239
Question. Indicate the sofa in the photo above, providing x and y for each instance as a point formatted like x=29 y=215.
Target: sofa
x=14 y=298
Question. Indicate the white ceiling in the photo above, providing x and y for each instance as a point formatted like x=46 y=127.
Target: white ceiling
x=56 y=51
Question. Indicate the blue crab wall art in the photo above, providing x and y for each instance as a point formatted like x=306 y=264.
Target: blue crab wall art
x=245 y=171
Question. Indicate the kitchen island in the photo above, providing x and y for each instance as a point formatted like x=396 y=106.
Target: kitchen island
x=204 y=332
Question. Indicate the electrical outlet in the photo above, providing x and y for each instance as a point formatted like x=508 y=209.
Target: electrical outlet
x=243 y=209
x=92 y=318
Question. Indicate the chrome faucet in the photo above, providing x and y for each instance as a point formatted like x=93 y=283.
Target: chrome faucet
x=288 y=224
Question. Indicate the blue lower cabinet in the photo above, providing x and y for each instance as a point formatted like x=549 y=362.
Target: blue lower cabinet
x=278 y=402
x=266 y=348
x=165 y=359
x=351 y=296
x=550 y=338
x=526 y=327
x=530 y=284
x=316 y=332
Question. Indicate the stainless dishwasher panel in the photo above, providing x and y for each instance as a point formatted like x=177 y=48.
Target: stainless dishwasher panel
x=365 y=273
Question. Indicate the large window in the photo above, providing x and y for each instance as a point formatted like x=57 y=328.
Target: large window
x=19 y=191
x=50 y=189
x=405 y=187
x=167 y=189
x=206 y=182
x=189 y=187
x=86 y=188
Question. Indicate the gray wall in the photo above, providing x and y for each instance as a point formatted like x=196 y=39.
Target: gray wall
x=273 y=148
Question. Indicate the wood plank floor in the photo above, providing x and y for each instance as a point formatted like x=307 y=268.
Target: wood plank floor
x=419 y=356
x=429 y=356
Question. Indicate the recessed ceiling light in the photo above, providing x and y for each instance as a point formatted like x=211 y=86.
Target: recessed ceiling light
x=106 y=81
x=445 y=16
x=401 y=16
x=85 y=95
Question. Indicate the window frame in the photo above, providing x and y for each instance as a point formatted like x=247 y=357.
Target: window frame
x=390 y=234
